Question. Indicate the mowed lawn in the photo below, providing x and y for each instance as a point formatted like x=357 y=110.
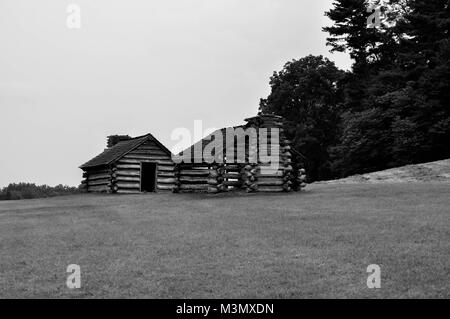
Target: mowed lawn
x=316 y=243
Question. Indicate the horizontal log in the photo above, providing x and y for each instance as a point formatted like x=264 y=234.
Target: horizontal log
x=128 y=179
x=276 y=173
x=233 y=167
x=127 y=191
x=99 y=176
x=197 y=173
x=200 y=187
x=99 y=182
x=194 y=165
x=166 y=168
x=267 y=171
x=237 y=171
x=165 y=162
x=235 y=176
x=165 y=187
x=268 y=178
x=102 y=188
x=129 y=185
x=271 y=189
x=166 y=180
x=193 y=180
x=272 y=182
x=166 y=174
x=123 y=172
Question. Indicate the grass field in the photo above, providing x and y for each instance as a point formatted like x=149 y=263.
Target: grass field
x=316 y=243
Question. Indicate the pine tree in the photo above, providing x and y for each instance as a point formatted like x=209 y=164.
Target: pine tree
x=400 y=114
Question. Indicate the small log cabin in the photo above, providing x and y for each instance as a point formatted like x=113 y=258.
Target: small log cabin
x=130 y=165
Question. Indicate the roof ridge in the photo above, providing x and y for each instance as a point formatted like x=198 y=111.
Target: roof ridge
x=137 y=137
x=114 y=153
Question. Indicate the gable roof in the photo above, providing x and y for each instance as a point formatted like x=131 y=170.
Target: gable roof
x=190 y=151
x=206 y=140
x=114 y=153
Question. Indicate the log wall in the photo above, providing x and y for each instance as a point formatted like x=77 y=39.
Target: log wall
x=192 y=177
x=98 y=180
x=128 y=169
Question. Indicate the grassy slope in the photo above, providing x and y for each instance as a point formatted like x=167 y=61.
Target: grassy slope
x=314 y=244
x=427 y=172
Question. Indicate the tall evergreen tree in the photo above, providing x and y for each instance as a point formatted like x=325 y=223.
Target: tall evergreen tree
x=425 y=64
x=402 y=115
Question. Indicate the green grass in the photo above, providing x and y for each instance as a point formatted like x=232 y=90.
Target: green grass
x=312 y=244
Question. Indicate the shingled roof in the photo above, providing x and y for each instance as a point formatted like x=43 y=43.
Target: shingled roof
x=114 y=153
x=200 y=145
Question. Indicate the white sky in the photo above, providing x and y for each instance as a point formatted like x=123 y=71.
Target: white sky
x=137 y=67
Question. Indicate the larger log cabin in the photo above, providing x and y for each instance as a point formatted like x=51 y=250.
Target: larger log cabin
x=251 y=173
x=130 y=165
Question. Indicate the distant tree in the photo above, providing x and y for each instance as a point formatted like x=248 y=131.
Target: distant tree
x=306 y=92
x=29 y=191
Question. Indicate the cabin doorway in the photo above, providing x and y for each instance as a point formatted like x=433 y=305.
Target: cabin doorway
x=148 y=177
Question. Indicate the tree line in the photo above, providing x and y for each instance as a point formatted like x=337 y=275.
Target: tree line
x=29 y=191
x=390 y=109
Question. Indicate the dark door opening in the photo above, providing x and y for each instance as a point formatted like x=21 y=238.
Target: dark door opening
x=148 y=177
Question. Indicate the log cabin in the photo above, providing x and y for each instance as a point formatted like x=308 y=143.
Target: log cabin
x=130 y=165
x=142 y=164
x=250 y=173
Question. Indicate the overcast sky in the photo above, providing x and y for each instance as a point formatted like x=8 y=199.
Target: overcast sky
x=137 y=67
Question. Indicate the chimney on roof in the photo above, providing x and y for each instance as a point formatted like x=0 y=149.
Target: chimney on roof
x=114 y=139
x=266 y=120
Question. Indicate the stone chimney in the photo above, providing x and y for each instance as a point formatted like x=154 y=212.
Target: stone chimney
x=265 y=120
x=114 y=139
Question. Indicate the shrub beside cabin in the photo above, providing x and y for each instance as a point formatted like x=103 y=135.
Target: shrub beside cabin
x=143 y=164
